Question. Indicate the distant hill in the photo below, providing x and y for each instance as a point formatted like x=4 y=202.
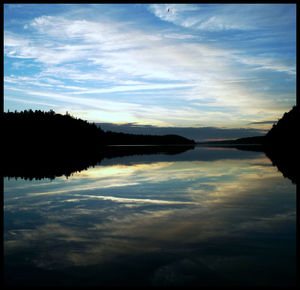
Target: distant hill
x=199 y=134
x=138 y=139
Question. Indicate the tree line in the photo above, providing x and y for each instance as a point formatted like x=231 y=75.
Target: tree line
x=39 y=143
x=59 y=130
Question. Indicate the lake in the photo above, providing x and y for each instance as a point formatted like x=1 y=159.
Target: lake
x=205 y=217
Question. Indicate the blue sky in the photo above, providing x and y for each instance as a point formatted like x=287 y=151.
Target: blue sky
x=180 y=65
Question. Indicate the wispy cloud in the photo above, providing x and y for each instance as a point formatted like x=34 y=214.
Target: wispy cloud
x=224 y=17
x=182 y=72
x=175 y=13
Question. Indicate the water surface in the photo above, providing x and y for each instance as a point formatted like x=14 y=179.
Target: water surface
x=203 y=217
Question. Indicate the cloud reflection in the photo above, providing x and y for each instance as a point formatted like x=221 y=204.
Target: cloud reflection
x=191 y=213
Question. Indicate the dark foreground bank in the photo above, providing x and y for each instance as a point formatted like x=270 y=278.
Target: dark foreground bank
x=40 y=144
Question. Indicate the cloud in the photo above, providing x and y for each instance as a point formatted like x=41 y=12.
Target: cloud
x=173 y=70
x=201 y=17
x=112 y=48
x=122 y=52
x=265 y=62
x=28 y=81
x=105 y=34
x=214 y=18
x=264 y=122
x=137 y=87
x=215 y=23
x=33 y=102
x=171 y=12
x=202 y=64
x=89 y=102
x=12 y=40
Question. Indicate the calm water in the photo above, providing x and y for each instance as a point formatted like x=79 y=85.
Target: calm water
x=203 y=217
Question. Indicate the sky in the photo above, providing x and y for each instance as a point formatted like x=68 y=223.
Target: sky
x=165 y=65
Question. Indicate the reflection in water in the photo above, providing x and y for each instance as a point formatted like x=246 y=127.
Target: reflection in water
x=56 y=164
x=195 y=220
